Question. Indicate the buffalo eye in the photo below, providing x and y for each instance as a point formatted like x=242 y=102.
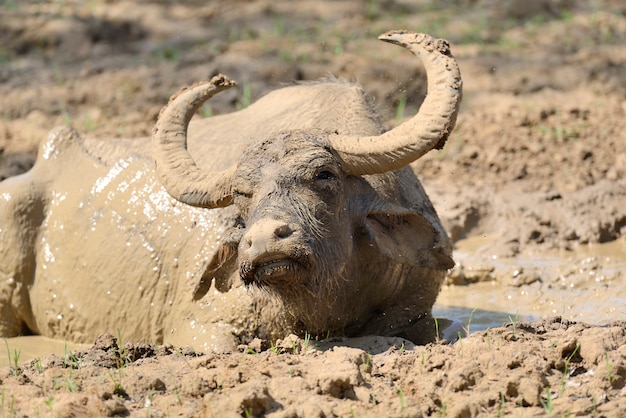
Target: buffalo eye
x=325 y=175
x=238 y=194
x=242 y=201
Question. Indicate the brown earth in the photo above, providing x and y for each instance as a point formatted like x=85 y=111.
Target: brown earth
x=550 y=367
x=534 y=176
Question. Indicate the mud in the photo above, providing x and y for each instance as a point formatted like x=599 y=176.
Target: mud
x=552 y=366
x=531 y=187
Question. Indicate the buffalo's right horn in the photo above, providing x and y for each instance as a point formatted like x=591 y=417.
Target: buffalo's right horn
x=426 y=130
x=177 y=170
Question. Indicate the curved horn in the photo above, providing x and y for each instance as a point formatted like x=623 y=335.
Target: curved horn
x=176 y=169
x=426 y=130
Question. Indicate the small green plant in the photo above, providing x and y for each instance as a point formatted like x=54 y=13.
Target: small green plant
x=338 y=48
x=149 y=401
x=401 y=106
x=246 y=98
x=402 y=348
x=37 y=365
x=473 y=33
x=547 y=404
x=279 y=25
x=501 y=407
x=168 y=53
x=469 y=321
x=116 y=379
x=71 y=360
x=11 y=405
x=206 y=111
x=10 y=5
x=14 y=360
x=300 y=348
x=402 y=398
x=566 y=370
x=287 y=56
x=371 y=10
x=59 y=76
x=67 y=120
x=71 y=384
x=88 y=122
x=307 y=341
x=49 y=403
x=247 y=413
x=124 y=355
x=514 y=321
x=437 y=338
x=4 y=56
x=443 y=409
x=609 y=369
x=179 y=353
x=274 y=348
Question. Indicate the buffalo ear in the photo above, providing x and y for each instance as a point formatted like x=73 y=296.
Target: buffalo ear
x=220 y=269
x=408 y=238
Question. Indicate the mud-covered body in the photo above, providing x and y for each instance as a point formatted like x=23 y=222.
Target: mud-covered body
x=91 y=242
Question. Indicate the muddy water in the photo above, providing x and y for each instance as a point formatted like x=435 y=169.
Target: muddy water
x=33 y=346
x=588 y=284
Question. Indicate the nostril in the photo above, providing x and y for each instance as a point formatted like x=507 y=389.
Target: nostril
x=283 y=231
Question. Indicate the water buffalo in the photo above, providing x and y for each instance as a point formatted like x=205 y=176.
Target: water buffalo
x=298 y=214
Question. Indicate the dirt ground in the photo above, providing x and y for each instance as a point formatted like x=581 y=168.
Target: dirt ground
x=531 y=187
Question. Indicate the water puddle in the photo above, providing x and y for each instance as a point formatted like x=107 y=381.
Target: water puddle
x=474 y=318
x=23 y=349
x=587 y=284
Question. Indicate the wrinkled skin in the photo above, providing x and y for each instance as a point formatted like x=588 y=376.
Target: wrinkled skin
x=328 y=245
x=91 y=242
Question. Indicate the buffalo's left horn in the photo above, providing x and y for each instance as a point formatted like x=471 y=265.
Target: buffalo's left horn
x=177 y=170
x=427 y=130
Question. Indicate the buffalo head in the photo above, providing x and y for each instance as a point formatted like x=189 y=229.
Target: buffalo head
x=315 y=209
